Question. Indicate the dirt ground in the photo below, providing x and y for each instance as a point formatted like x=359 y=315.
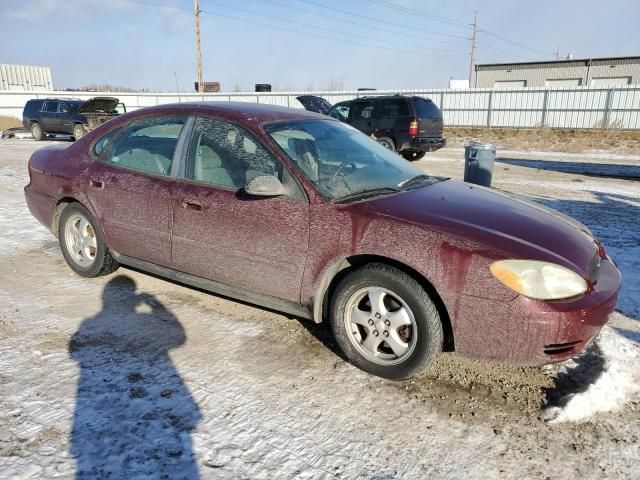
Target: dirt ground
x=547 y=139
x=203 y=386
x=9 y=122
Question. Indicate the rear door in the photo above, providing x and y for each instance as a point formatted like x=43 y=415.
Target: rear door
x=223 y=234
x=363 y=114
x=394 y=120
x=130 y=188
x=49 y=116
x=430 y=123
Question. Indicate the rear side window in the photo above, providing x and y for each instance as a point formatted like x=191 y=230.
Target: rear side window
x=394 y=107
x=51 y=107
x=426 y=109
x=147 y=145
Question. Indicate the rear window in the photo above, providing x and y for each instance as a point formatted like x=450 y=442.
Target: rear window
x=426 y=109
x=394 y=107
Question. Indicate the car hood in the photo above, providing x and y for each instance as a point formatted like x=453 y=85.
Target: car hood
x=503 y=222
x=315 y=104
x=99 y=104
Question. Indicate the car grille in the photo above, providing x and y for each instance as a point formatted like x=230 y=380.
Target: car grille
x=559 y=348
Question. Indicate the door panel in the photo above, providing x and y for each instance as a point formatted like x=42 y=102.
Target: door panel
x=255 y=243
x=130 y=188
x=225 y=235
x=134 y=210
x=363 y=115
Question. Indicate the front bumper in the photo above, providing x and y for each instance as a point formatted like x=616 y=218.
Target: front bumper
x=428 y=144
x=533 y=332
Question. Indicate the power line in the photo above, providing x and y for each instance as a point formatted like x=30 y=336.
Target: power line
x=277 y=27
x=514 y=43
x=330 y=30
x=365 y=25
x=419 y=13
x=382 y=20
x=473 y=46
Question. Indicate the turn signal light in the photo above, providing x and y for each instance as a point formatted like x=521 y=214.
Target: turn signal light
x=413 y=128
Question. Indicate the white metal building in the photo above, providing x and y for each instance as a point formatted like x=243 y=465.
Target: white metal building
x=601 y=72
x=25 y=78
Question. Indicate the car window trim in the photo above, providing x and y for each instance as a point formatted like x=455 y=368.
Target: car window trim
x=104 y=155
x=182 y=177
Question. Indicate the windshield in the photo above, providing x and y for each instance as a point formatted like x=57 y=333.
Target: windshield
x=342 y=162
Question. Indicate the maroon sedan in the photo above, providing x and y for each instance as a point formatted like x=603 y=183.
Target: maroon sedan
x=301 y=213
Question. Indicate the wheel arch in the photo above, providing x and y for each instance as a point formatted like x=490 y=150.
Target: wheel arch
x=65 y=201
x=340 y=268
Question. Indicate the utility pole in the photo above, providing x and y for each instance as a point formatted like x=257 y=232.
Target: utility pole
x=473 y=47
x=196 y=11
x=558 y=52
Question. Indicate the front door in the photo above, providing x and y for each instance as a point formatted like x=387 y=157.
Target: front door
x=223 y=234
x=130 y=188
x=49 y=117
x=363 y=115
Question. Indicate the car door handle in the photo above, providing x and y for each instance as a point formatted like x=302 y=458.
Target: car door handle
x=96 y=184
x=191 y=205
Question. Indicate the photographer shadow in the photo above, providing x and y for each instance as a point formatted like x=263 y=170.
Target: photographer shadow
x=134 y=414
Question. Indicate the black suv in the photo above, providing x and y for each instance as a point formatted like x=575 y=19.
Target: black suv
x=68 y=116
x=410 y=126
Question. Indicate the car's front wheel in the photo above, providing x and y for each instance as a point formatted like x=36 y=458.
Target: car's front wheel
x=385 y=323
x=37 y=132
x=82 y=244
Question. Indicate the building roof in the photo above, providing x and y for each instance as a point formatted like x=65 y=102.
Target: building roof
x=585 y=61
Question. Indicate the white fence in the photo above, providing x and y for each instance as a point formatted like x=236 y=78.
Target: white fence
x=575 y=107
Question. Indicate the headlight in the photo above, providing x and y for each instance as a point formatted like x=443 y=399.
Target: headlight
x=539 y=280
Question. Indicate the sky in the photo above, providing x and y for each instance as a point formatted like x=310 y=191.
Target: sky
x=302 y=44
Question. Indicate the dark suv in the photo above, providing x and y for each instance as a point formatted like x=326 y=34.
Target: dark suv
x=410 y=126
x=68 y=116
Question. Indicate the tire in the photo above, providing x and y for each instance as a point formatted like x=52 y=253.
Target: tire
x=413 y=155
x=82 y=244
x=78 y=131
x=404 y=302
x=387 y=143
x=37 y=132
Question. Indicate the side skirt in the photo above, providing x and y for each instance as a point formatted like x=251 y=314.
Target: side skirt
x=223 y=289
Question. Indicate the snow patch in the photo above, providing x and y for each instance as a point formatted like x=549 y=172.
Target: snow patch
x=616 y=385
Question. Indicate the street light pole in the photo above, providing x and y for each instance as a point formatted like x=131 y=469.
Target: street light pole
x=196 y=9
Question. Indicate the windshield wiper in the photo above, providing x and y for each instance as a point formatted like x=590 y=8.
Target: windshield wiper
x=413 y=180
x=366 y=193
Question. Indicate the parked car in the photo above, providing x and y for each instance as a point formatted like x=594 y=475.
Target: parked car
x=68 y=116
x=410 y=126
x=303 y=214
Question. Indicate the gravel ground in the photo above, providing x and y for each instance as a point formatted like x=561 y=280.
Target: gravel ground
x=134 y=376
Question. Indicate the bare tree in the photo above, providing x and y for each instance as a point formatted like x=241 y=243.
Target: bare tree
x=237 y=88
x=335 y=84
x=309 y=87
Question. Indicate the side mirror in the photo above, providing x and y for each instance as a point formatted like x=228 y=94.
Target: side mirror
x=265 y=186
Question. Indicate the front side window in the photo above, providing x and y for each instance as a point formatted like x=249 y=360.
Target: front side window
x=340 y=112
x=363 y=110
x=340 y=161
x=148 y=145
x=51 y=107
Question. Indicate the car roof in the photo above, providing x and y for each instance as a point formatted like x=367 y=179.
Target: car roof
x=241 y=112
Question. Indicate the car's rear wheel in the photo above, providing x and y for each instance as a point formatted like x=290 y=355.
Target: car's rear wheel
x=385 y=323
x=82 y=244
x=413 y=155
x=37 y=132
x=387 y=143
x=78 y=131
